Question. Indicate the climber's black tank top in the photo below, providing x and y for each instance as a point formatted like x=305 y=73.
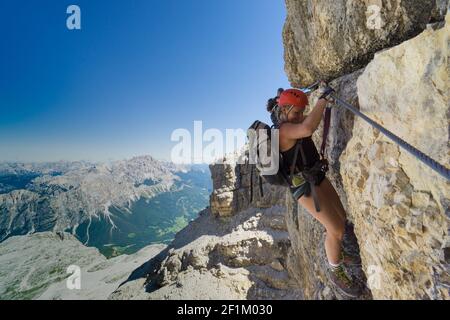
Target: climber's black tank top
x=311 y=154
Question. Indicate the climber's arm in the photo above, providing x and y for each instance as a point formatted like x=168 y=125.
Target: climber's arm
x=313 y=119
x=294 y=131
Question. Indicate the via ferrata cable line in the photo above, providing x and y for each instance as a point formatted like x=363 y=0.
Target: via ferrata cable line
x=433 y=164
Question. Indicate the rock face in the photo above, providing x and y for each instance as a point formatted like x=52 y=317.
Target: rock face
x=399 y=206
x=327 y=39
x=234 y=252
x=34 y=267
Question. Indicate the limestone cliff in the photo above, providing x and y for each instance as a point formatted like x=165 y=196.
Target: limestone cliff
x=399 y=207
x=327 y=39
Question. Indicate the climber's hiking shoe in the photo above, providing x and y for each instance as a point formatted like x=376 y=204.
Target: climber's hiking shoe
x=350 y=259
x=342 y=282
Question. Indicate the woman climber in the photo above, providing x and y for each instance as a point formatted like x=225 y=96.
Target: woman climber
x=295 y=127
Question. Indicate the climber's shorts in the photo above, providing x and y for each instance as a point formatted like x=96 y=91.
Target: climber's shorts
x=299 y=191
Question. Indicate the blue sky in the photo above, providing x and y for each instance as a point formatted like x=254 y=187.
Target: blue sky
x=136 y=71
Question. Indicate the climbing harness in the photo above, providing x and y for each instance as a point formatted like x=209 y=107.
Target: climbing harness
x=309 y=177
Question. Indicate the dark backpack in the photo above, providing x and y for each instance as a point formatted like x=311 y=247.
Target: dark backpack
x=260 y=137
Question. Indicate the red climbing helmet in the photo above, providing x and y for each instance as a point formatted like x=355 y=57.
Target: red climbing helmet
x=293 y=97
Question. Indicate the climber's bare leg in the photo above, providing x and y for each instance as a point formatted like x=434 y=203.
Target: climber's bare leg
x=329 y=218
x=330 y=191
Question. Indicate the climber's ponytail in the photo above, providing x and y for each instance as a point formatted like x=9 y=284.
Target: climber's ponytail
x=274 y=109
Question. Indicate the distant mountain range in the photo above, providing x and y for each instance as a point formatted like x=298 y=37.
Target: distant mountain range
x=119 y=207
